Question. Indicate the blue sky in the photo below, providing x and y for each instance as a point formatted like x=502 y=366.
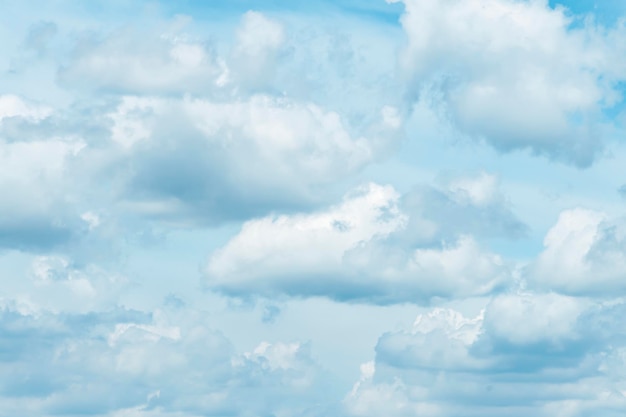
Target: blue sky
x=290 y=208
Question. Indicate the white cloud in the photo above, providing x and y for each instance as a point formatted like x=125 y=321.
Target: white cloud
x=583 y=254
x=526 y=320
x=315 y=243
x=480 y=190
x=204 y=159
x=15 y=106
x=347 y=252
x=33 y=173
x=258 y=43
x=524 y=354
x=145 y=62
x=518 y=74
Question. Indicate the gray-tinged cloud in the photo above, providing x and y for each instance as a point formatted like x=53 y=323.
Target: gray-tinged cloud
x=91 y=170
x=468 y=204
x=33 y=215
x=125 y=363
x=374 y=247
x=183 y=131
x=539 y=354
x=197 y=160
x=518 y=74
x=53 y=201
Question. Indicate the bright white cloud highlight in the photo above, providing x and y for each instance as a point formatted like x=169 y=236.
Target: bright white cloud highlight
x=347 y=252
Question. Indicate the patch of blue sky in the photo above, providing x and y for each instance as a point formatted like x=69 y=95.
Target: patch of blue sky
x=605 y=12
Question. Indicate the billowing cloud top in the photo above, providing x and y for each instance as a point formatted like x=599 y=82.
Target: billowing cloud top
x=353 y=208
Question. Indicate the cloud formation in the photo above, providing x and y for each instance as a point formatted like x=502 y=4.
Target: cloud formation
x=520 y=75
x=367 y=249
x=543 y=354
x=125 y=362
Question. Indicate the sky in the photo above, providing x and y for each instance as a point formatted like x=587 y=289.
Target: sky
x=312 y=208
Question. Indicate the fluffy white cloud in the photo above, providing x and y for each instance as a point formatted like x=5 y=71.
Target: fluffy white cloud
x=348 y=252
x=516 y=73
x=213 y=160
x=244 y=130
x=55 y=203
x=38 y=214
x=584 y=254
x=524 y=354
x=207 y=133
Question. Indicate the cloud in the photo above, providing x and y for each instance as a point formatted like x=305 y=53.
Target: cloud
x=536 y=354
x=32 y=173
x=181 y=161
x=202 y=160
x=258 y=44
x=583 y=255
x=359 y=250
x=54 y=204
x=163 y=363
x=143 y=62
x=13 y=106
x=157 y=123
x=57 y=283
x=521 y=75
x=470 y=204
x=167 y=59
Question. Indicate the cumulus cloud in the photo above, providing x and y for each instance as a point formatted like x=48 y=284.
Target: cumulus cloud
x=183 y=161
x=205 y=160
x=164 y=363
x=178 y=134
x=254 y=125
x=583 y=255
x=524 y=354
x=54 y=204
x=36 y=215
x=518 y=74
x=355 y=251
